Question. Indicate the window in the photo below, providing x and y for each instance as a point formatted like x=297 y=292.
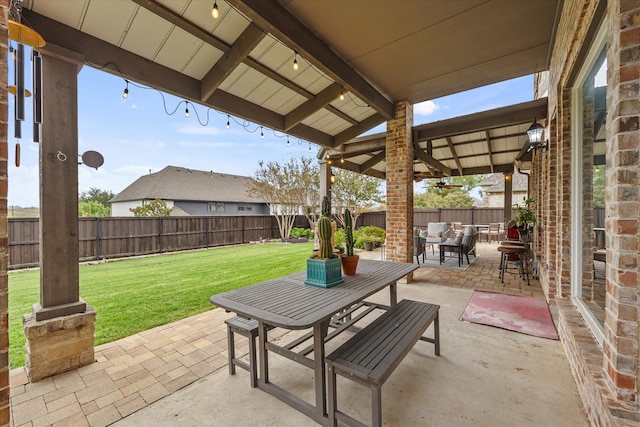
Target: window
x=589 y=116
x=215 y=207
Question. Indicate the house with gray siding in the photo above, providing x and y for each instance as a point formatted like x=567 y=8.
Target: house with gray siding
x=190 y=192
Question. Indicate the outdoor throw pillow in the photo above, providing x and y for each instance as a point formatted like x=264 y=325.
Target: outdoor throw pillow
x=423 y=234
x=458 y=237
x=434 y=234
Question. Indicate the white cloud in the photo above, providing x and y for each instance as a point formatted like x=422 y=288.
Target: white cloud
x=425 y=108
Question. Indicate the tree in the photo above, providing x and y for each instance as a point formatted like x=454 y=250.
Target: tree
x=287 y=189
x=355 y=192
x=94 y=202
x=93 y=208
x=155 y=207
x=96 y=195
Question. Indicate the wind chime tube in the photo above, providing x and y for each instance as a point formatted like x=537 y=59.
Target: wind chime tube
x=37 y=94
x=19 y=75
x=37 y=87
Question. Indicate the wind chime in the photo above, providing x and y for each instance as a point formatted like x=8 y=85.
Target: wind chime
x=24 y=35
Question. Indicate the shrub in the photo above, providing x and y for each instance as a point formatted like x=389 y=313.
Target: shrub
x=301 y=232
x=339 y=238
x=369 y=233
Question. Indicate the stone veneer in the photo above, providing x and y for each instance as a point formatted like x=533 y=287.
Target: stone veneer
x=59 y=344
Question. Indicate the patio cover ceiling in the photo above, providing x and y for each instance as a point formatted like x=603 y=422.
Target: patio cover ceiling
x=376 y=53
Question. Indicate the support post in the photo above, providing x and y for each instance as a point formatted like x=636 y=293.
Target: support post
x=60 y=330
x=400 y=186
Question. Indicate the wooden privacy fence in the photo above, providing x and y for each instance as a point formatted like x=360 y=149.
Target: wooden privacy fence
x=109 y=237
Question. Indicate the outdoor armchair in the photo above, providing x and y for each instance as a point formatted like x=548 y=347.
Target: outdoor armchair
x=437 y=232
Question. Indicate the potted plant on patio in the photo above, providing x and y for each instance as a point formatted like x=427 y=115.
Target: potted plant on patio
x=349 y=260
x=526 y=217
x=324 y=266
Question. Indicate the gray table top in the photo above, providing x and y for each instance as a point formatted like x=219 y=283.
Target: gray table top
x=287 y=302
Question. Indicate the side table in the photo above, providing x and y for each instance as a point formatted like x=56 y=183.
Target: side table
x=451 y=246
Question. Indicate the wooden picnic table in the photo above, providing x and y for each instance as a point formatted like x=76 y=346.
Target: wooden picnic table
x=287 y=302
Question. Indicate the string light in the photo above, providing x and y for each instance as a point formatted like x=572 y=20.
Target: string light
x=342 y=93
x=295 y=60
x=248 y=126
x=341 y=159
x=214 y=10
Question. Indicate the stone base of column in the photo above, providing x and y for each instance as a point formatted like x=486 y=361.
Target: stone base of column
x=59 y=344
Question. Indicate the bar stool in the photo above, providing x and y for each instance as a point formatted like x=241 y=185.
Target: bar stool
x=249 y=329
x=508 y=250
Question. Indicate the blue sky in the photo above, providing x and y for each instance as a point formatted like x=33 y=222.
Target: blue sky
x=136 y=135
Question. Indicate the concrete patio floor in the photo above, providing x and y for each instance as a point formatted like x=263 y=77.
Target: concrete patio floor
x=177 y=374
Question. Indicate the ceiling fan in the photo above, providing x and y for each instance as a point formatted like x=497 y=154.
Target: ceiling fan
x=441 y=185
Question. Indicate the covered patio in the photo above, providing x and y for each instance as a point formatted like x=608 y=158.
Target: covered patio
x=582 y=53
x=177 y=373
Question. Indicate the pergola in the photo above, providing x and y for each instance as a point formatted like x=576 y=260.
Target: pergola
x=382 y=57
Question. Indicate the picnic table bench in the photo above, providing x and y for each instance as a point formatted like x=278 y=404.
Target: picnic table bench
x=370 y=356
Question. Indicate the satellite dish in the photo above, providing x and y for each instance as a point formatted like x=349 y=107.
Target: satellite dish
x=93 y=159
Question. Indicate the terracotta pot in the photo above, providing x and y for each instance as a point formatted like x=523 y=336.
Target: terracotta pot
x=349 y=264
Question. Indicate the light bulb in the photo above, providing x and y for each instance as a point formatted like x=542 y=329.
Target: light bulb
x=341 y=159
x=295 y=60
x=342 y=94
x=214 y=11
x=261 y=133
x=125 y=94
x=228 y=118
x=309 y=147
x=186 y=112
x=288 y=143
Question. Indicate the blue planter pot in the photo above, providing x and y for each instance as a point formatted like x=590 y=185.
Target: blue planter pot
x=324 y=273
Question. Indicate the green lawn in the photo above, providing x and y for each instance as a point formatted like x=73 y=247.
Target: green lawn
x=132 y=295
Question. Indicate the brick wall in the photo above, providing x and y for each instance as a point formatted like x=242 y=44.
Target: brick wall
x=607 y=373
x=622 y=202
x=400 y=185
x=5 y=413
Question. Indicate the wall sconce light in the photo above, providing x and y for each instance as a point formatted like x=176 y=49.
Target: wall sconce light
x=535 y=137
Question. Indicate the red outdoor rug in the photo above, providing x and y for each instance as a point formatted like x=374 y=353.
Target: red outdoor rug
x=526 y=315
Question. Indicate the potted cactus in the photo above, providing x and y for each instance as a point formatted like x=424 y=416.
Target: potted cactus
x=349 y=260
x=323 y=267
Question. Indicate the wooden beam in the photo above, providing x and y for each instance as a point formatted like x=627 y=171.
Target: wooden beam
x=511 y=115
x=373 y=161
x=454 y=154
x=354 y=167
x=488 y=139
x=352 y=132
x=428 y=160
x=275 y=19
x=244 y=44
x=329 y=94
x=109 y=58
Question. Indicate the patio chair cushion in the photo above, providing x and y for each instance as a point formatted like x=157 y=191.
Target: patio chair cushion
x=437 y=232
x=458 y=237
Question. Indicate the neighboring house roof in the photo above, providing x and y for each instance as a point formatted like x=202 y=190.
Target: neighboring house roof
x=178 y=183
x=495 y=183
